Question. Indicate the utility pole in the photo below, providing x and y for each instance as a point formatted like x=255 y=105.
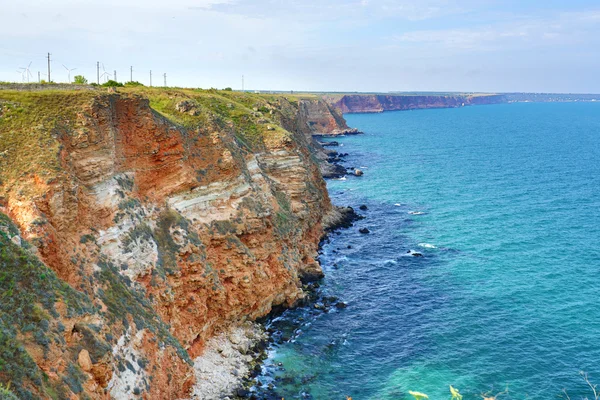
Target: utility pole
x=150 y=78
x=98 y=71
x=165 y=76
x=49 y=80
x=39 y=77
x=115 y=75
x=131 y=74
x=242 y=83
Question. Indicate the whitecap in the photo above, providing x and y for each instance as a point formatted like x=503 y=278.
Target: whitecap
x=398 y=205
x=416 y=212
x=427 y=245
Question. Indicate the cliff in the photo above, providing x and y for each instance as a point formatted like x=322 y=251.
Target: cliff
x=139 y=230
x=323 y=118
x=369 y=103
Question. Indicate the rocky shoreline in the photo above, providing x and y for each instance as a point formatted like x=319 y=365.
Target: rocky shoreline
x=236 y=365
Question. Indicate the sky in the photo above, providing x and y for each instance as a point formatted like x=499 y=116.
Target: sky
x=312 y=45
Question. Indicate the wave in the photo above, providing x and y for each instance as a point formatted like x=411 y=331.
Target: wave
x=427 y=245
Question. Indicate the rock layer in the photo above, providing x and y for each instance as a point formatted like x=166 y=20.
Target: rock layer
x=169 y=225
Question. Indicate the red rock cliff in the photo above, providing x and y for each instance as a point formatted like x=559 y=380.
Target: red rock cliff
x=169 y=220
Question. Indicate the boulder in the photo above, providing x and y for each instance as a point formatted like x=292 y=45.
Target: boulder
x=84 y=360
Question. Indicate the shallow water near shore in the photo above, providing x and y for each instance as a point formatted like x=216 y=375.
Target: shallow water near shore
x=503 y=202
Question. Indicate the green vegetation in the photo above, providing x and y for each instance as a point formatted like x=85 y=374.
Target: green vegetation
x=206 y=110
x=125 y=302
x=30 y=123
x=111 y=83
x=80 y=80
x=29 y=292
x=6 y=394
x=133 y=84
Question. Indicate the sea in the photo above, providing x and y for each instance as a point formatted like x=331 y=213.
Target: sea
x=481 y=269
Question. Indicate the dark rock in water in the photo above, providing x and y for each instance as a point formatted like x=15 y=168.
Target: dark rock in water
x=319 y=306
x=330 y=299
x=311 y=273
x=349 y=246
x=364 y=230
x=333 y=171
x=341 y=304
x=329 y=144
x=242 y=393
x=341 y=217
x=363 y=207
x=416 y=254
x=358 y=172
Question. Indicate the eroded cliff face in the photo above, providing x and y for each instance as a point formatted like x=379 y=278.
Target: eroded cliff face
x=155 y=225
x=378 y=103
x=323 y=118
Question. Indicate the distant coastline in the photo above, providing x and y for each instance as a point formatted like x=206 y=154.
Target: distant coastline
x=375 y=103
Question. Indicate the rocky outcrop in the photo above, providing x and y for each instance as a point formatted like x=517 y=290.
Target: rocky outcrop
x=157 y=229
x=323 y=119
x=367 y=103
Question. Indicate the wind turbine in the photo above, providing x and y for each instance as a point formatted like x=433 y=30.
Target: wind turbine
x=105 y=74
x=26 y=74
x=69 y=71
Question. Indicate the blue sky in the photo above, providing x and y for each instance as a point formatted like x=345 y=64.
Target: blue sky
x=326 y=45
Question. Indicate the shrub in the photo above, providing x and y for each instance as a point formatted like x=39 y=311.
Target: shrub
x=133 y=83
x=80 y=80
x=6 y=394
x=112 y=83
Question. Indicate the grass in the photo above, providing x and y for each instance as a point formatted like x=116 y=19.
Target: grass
x=221 y=110
x=30 y=123
x=29 y=292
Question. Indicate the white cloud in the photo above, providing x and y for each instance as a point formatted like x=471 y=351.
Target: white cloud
x=560 y=29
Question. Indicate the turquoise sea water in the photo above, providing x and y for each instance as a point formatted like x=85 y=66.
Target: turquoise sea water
x=507 y=292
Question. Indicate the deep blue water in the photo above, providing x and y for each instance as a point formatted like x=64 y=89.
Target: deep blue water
x=507 y=292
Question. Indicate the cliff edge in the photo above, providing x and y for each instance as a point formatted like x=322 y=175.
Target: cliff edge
x=140 y=231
